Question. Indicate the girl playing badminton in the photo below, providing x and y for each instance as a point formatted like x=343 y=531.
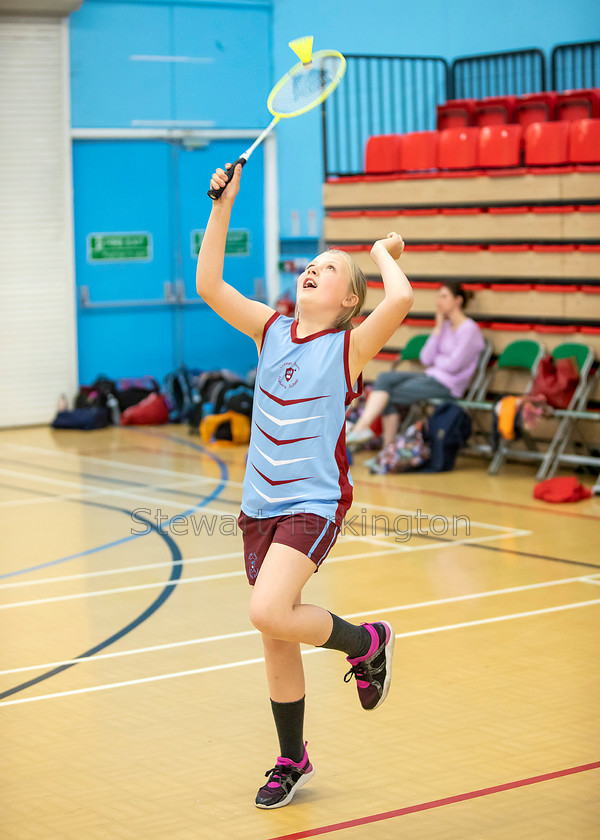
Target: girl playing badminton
x=297 y=488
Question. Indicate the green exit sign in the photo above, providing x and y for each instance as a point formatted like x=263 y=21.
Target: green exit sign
x=119 y=247
x=236 y=245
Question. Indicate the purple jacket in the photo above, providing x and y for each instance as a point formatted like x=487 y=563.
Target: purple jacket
x=451 y=356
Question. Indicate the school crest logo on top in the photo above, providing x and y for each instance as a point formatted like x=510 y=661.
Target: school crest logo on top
x=289 y=374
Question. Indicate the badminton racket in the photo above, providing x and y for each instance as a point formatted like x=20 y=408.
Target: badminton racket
x=305 y=86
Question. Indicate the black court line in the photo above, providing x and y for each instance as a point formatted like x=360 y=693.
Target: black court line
x=176 y=571
x=503 y=550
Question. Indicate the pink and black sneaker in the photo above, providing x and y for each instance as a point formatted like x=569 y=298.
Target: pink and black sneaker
x=284 y=780
x=373 y=671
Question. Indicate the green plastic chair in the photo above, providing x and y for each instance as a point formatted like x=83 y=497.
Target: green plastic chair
x=523 y=354
x=412 y=349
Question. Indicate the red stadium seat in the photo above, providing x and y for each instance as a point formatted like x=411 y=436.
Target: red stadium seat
x=535 y=107
x=584 y=141
x=457 y=148
x=494 y=110
x=383 y=153
x=546 y=144
x=419 y=151
x=578 y=104
x=500 y=145
x=455 y=113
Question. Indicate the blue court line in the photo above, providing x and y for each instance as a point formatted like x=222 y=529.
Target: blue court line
x=176 y=571
x=207 y=499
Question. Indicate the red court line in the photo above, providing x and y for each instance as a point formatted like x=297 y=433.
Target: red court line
x=437 y=803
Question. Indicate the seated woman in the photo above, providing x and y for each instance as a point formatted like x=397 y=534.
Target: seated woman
x=450 y=356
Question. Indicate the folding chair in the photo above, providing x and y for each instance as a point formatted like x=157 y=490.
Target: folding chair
x=584 y=358
x=568 y=425
x=520 y=358
x=471 y=393
x=474 y=387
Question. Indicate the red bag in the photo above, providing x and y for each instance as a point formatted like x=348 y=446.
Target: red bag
x=152 y=411
x=556 y=381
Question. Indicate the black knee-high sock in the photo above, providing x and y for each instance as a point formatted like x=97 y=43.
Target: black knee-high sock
x=352 y=639
x=289 y=721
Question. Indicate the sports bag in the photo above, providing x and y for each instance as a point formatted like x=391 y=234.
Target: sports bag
x=132 y=390
x=448 y=429
x=151 y=411
x=84 y=419
x=178 y=387
x=408 y=452
x=210 y=391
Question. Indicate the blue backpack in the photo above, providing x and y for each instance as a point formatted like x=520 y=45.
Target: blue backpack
x=178 y=387
x=448 y=429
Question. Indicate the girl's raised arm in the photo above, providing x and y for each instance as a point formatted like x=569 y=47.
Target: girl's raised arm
x=368 y=338
x=247 y=316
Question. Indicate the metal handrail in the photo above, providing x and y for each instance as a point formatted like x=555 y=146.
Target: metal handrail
x=575 y=66
x=510 y=72
x=174 y=296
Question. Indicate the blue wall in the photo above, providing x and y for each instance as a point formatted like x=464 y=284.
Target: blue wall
x=118 y=79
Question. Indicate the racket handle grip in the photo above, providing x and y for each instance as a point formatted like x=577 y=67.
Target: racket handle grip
x=215 y=194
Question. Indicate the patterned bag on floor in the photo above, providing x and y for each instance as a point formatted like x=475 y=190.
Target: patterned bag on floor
x=408 y=452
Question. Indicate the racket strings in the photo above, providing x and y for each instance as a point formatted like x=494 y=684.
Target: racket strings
x=307 y=85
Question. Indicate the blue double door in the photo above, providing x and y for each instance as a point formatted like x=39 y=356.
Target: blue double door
x=139 y=211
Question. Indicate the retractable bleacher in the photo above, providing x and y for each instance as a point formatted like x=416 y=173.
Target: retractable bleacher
x=511 y=209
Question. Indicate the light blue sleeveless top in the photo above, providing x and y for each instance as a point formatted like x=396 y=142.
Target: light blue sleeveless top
x=297 y=455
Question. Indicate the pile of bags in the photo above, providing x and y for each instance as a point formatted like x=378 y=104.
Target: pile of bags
x=217 y=405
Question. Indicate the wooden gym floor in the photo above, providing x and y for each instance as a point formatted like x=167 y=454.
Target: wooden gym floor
x=132 y=692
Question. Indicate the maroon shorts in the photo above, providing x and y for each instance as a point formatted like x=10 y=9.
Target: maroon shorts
x=306 y=532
